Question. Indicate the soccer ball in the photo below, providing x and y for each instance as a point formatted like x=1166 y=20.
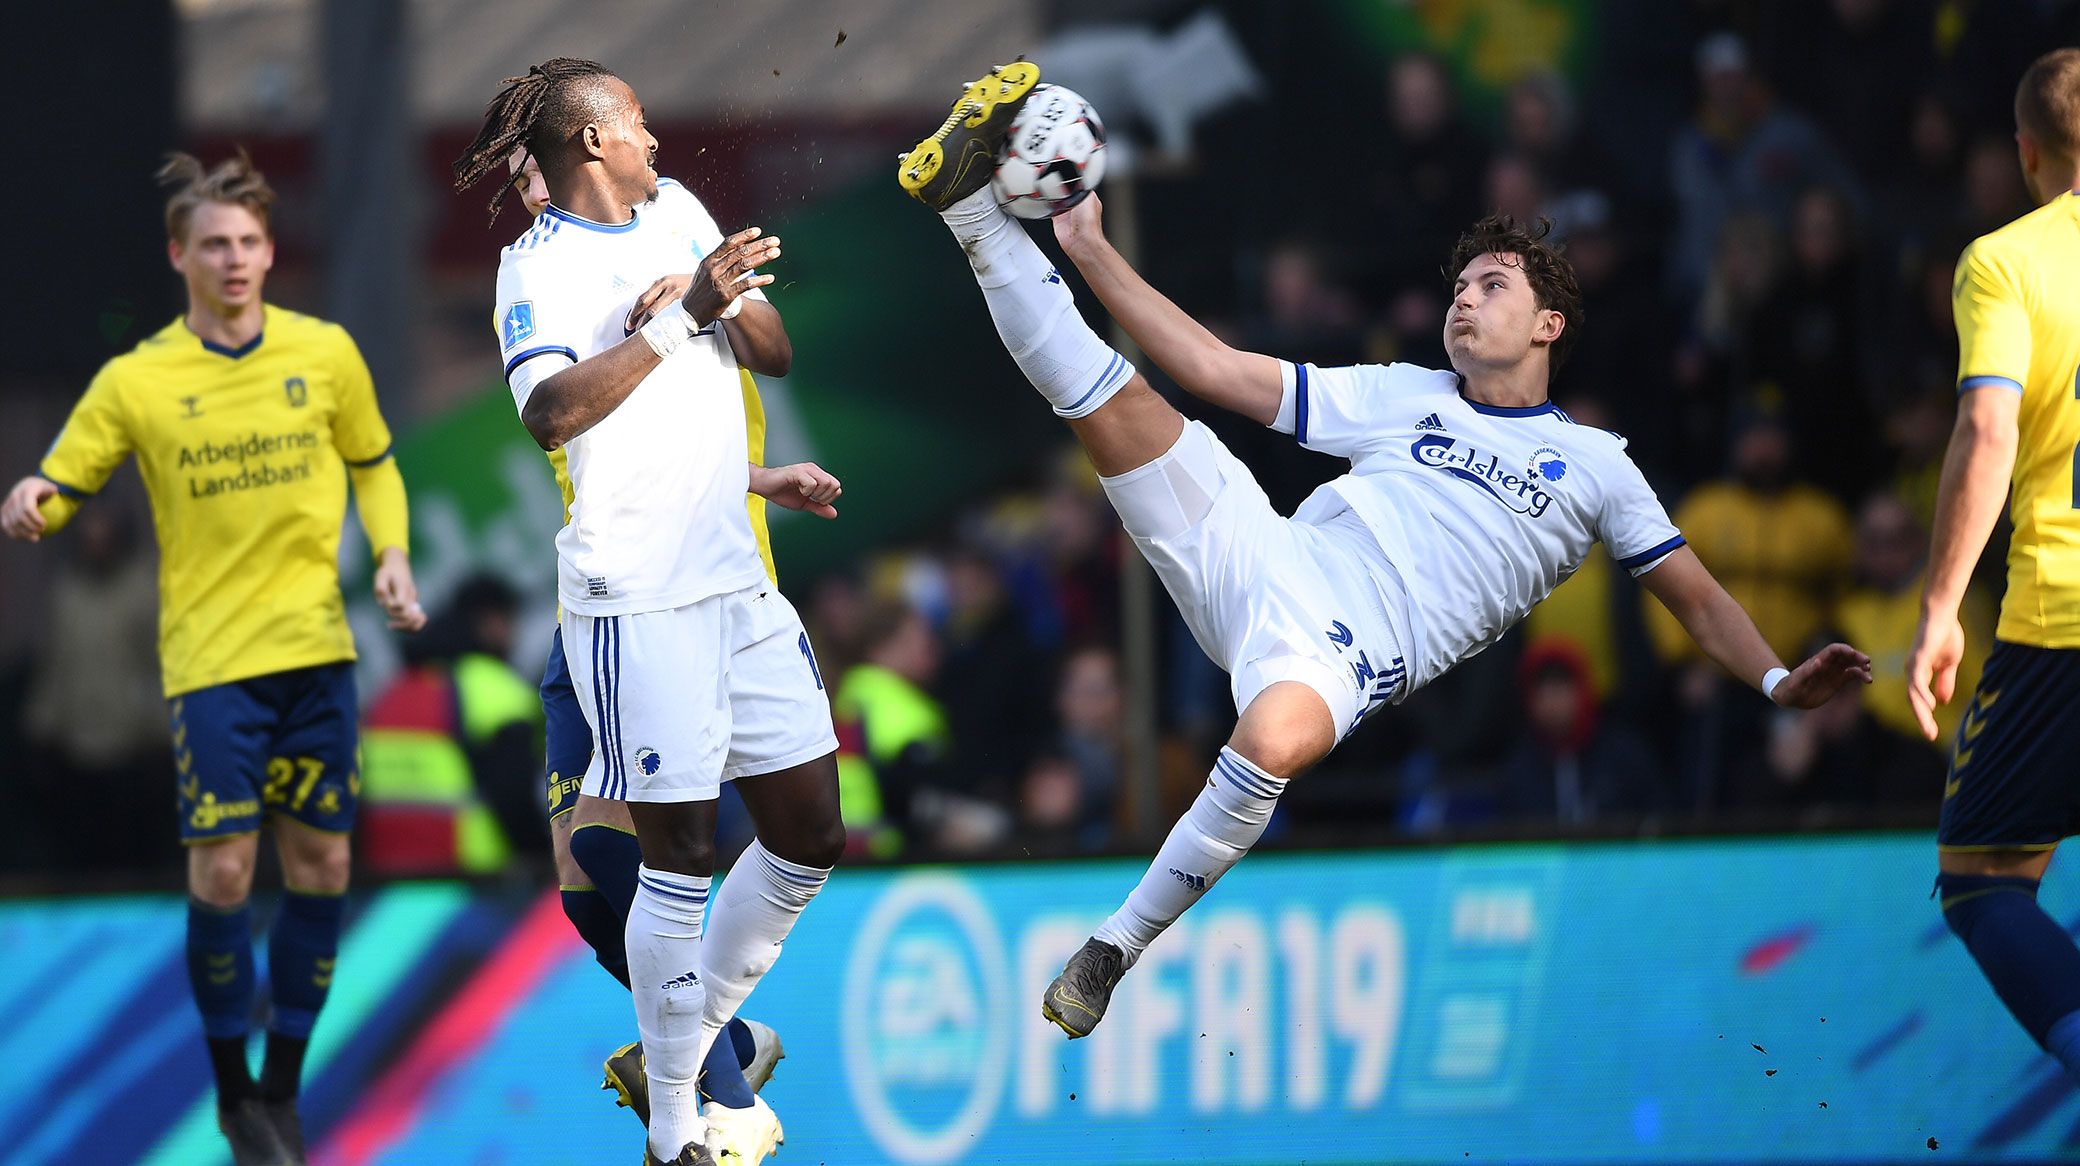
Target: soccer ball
x=1053 y=157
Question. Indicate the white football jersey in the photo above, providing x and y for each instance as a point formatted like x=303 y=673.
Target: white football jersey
x=658 y=519
x=1480 y=511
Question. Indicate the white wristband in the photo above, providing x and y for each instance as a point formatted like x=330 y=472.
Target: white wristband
x=730 y=313
x=1771 y=679
x=667 y=330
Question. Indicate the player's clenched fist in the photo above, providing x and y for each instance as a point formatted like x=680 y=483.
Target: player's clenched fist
x=729 y=272
x=803 y=486
x=21 y=516
x=396 y=593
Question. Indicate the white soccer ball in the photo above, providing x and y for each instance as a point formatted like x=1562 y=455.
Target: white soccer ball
x=1053 y=156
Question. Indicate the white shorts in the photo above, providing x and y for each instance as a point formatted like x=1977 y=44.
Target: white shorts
x=681 y=701
x=1269 y=599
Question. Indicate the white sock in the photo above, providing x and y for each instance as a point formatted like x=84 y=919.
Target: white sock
x=1035 y=315
x=664 y=955
x=755 y=909
x=1225 y=820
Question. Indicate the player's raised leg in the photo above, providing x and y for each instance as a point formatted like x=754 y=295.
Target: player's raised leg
x=1120 y=420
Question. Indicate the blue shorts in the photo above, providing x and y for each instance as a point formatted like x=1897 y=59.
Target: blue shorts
x=2014 y=779
x=283 y=743
x=567 y=737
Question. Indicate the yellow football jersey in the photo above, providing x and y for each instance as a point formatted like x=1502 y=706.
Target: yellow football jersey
x=754 y=427
x=2017 y=302
x=246 y=455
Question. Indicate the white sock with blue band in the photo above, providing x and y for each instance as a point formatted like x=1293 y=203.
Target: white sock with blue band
x=664 y=958
x=1225 y=820
x=1035 y=315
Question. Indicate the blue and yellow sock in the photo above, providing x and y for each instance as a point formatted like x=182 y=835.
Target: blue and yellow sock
x=220 y=970
x=2027 y=957
x=610 y=857
x=722 y=1074
x=740 y=1038
x=600 y=926
x=300 y=954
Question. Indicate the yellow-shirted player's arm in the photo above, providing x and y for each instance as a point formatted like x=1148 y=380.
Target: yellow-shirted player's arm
x=95 y=440
x=363 y=441
x=1993 y=362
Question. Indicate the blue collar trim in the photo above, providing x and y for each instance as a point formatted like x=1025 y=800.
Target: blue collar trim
x=1507 y=411
x=558 y=212
x=245 y=349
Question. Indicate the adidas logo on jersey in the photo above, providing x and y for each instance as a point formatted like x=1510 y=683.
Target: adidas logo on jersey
x=1430 y=422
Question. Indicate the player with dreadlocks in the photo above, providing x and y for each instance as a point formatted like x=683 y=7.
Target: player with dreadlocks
x=659 y=572
x=592 y=839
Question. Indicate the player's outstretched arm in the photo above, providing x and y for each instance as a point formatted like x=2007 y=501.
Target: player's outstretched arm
x=1241 y=382
x=21 y=516
x=1716 y=621
x=1969 y=498
x=803 y=486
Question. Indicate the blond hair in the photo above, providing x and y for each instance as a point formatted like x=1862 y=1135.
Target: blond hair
x=233 y=181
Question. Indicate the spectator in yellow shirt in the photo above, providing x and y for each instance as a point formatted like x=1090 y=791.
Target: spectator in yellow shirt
x=1781 y=548
x=1881 y=612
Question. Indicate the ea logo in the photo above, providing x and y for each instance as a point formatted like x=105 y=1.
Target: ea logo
x=927 y=1039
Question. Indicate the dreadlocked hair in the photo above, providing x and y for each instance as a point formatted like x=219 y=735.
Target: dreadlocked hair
x=1551 y=276
x=234 y=181
x=544 y=99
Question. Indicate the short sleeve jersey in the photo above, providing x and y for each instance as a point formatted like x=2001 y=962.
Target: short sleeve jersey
x=1481 y=510
x=755 y=447
x=657 y=516
x=2016 y=299
x=244 y=454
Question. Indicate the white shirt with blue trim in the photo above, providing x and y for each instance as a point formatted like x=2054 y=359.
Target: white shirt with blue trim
x=1479 y=511
x=658 y=521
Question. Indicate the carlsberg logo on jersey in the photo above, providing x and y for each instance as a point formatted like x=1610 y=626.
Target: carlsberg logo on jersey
x=1523 y=493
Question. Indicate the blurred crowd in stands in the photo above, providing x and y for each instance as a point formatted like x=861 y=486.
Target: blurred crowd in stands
x=1766 y=287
